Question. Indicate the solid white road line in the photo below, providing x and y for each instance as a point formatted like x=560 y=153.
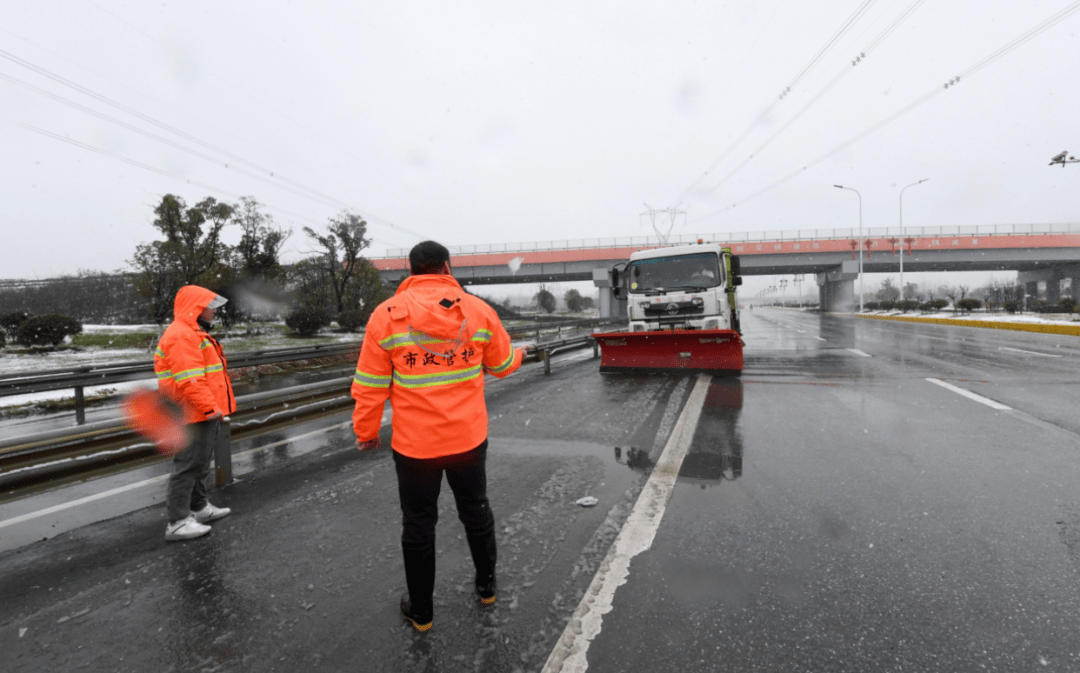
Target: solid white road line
x=569 y=654
x=161 y=477
x=856 y=351
x=971 y=396
x=1020 y=350
x=821 y=339
x=81 y=501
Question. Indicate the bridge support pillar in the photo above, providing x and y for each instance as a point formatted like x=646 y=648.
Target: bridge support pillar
x=1056 y=282
x=836 y=287
x=610 y=305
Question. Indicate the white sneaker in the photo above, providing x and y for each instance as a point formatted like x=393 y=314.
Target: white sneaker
x=210 y=513
x=185 y=529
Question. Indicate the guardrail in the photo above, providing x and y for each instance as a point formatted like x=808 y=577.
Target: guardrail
x=80 y=377
x=60 y=456
x=50 y=458
x=756 y=236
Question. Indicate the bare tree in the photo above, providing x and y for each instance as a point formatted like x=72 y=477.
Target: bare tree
x=341 y=247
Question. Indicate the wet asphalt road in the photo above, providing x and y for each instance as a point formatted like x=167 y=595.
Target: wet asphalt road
x=836 y=511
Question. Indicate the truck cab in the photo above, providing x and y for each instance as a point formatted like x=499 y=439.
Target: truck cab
x=685 y=287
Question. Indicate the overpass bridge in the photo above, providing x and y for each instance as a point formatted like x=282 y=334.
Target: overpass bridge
x=1046 y=253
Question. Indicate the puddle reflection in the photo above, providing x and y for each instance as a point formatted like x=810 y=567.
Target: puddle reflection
x=716 y=452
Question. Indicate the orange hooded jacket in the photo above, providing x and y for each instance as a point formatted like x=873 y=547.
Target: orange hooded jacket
x=190 y=364
x=427 y=348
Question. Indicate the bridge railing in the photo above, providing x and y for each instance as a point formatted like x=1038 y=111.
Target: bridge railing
x=741 y=237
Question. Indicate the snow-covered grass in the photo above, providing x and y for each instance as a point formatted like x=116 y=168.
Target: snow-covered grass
x=1041 y=318
x=104 y=344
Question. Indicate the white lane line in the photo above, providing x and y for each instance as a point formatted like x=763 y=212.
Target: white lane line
x=1020 y=350
x=636 y=536
x=856 y=351
x=821 y=339
x=971 y=396
x=162 y=477
x=81 y=501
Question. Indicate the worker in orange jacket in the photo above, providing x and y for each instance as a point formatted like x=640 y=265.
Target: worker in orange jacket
x=427 y=349
x=190 y=367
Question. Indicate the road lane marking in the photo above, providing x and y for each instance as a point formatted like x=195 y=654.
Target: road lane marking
x=856 y=351
x=972 y=396
x=81 y=501
x=820 y=339
x=161 y=477
x=636 y=536
x=1020 y=350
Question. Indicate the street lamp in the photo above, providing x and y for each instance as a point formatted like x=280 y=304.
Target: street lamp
x=860 y=241
x=902 y=235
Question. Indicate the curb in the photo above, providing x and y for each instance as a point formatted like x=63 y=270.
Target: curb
x=1045 y=328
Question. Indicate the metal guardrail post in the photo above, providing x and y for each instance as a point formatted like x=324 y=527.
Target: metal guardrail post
x=80 y=406
x=595 y=348
x=546 y=356
x=223 y=455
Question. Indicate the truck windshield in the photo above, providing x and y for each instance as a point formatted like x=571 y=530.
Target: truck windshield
x=682 y=272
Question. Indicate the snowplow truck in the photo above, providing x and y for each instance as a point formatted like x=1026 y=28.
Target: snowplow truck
x=683 y=312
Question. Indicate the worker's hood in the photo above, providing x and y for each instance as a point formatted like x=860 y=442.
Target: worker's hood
x=431 y=304
x=190 y=302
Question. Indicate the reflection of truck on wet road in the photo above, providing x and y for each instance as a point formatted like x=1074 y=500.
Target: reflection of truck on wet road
x=682 y=308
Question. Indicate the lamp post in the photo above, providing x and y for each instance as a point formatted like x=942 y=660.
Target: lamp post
x=902 y=235
x=860 y=241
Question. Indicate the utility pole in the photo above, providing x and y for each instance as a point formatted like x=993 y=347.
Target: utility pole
x=1063 y=159
x=672 y=213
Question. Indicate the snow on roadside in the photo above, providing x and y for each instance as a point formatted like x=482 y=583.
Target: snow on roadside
x=1045 y=319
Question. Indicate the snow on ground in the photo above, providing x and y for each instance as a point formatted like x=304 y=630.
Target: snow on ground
x=11 y=363
x=1046 y=319
x=115 y=388
x=119 y=329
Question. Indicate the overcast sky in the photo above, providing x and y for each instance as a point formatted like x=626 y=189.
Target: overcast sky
x=478 y=122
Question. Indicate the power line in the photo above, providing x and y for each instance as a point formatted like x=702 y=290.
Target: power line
x=840 y=32
x=828 y=87
x=166 y=173
x=339 y=146
x=918 y=102
x=172 y=129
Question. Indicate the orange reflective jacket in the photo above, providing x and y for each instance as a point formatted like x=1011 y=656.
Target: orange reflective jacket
x=190 y=364
x=427 y=348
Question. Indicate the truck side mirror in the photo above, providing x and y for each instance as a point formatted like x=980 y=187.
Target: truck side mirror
x=618 y=289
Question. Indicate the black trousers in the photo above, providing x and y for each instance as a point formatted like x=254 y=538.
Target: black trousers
x=419 y=483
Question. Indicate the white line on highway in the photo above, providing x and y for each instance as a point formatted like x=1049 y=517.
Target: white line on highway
x=821 y=339
x=1020 y=350
x=971 y=396
x=635 y=537
x=856 y=351
x=162 y=477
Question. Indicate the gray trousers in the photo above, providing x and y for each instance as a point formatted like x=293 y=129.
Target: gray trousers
x=191 y=467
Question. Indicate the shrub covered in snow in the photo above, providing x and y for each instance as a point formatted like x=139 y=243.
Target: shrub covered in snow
x=307 y=320
x=350 y=321
x=9 y=322
x=50 y=328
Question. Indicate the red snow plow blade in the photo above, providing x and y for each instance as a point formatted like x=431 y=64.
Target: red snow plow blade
x=700 y=350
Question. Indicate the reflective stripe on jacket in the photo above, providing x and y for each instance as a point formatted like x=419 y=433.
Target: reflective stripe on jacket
x=427 y=348
x=190 y=364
